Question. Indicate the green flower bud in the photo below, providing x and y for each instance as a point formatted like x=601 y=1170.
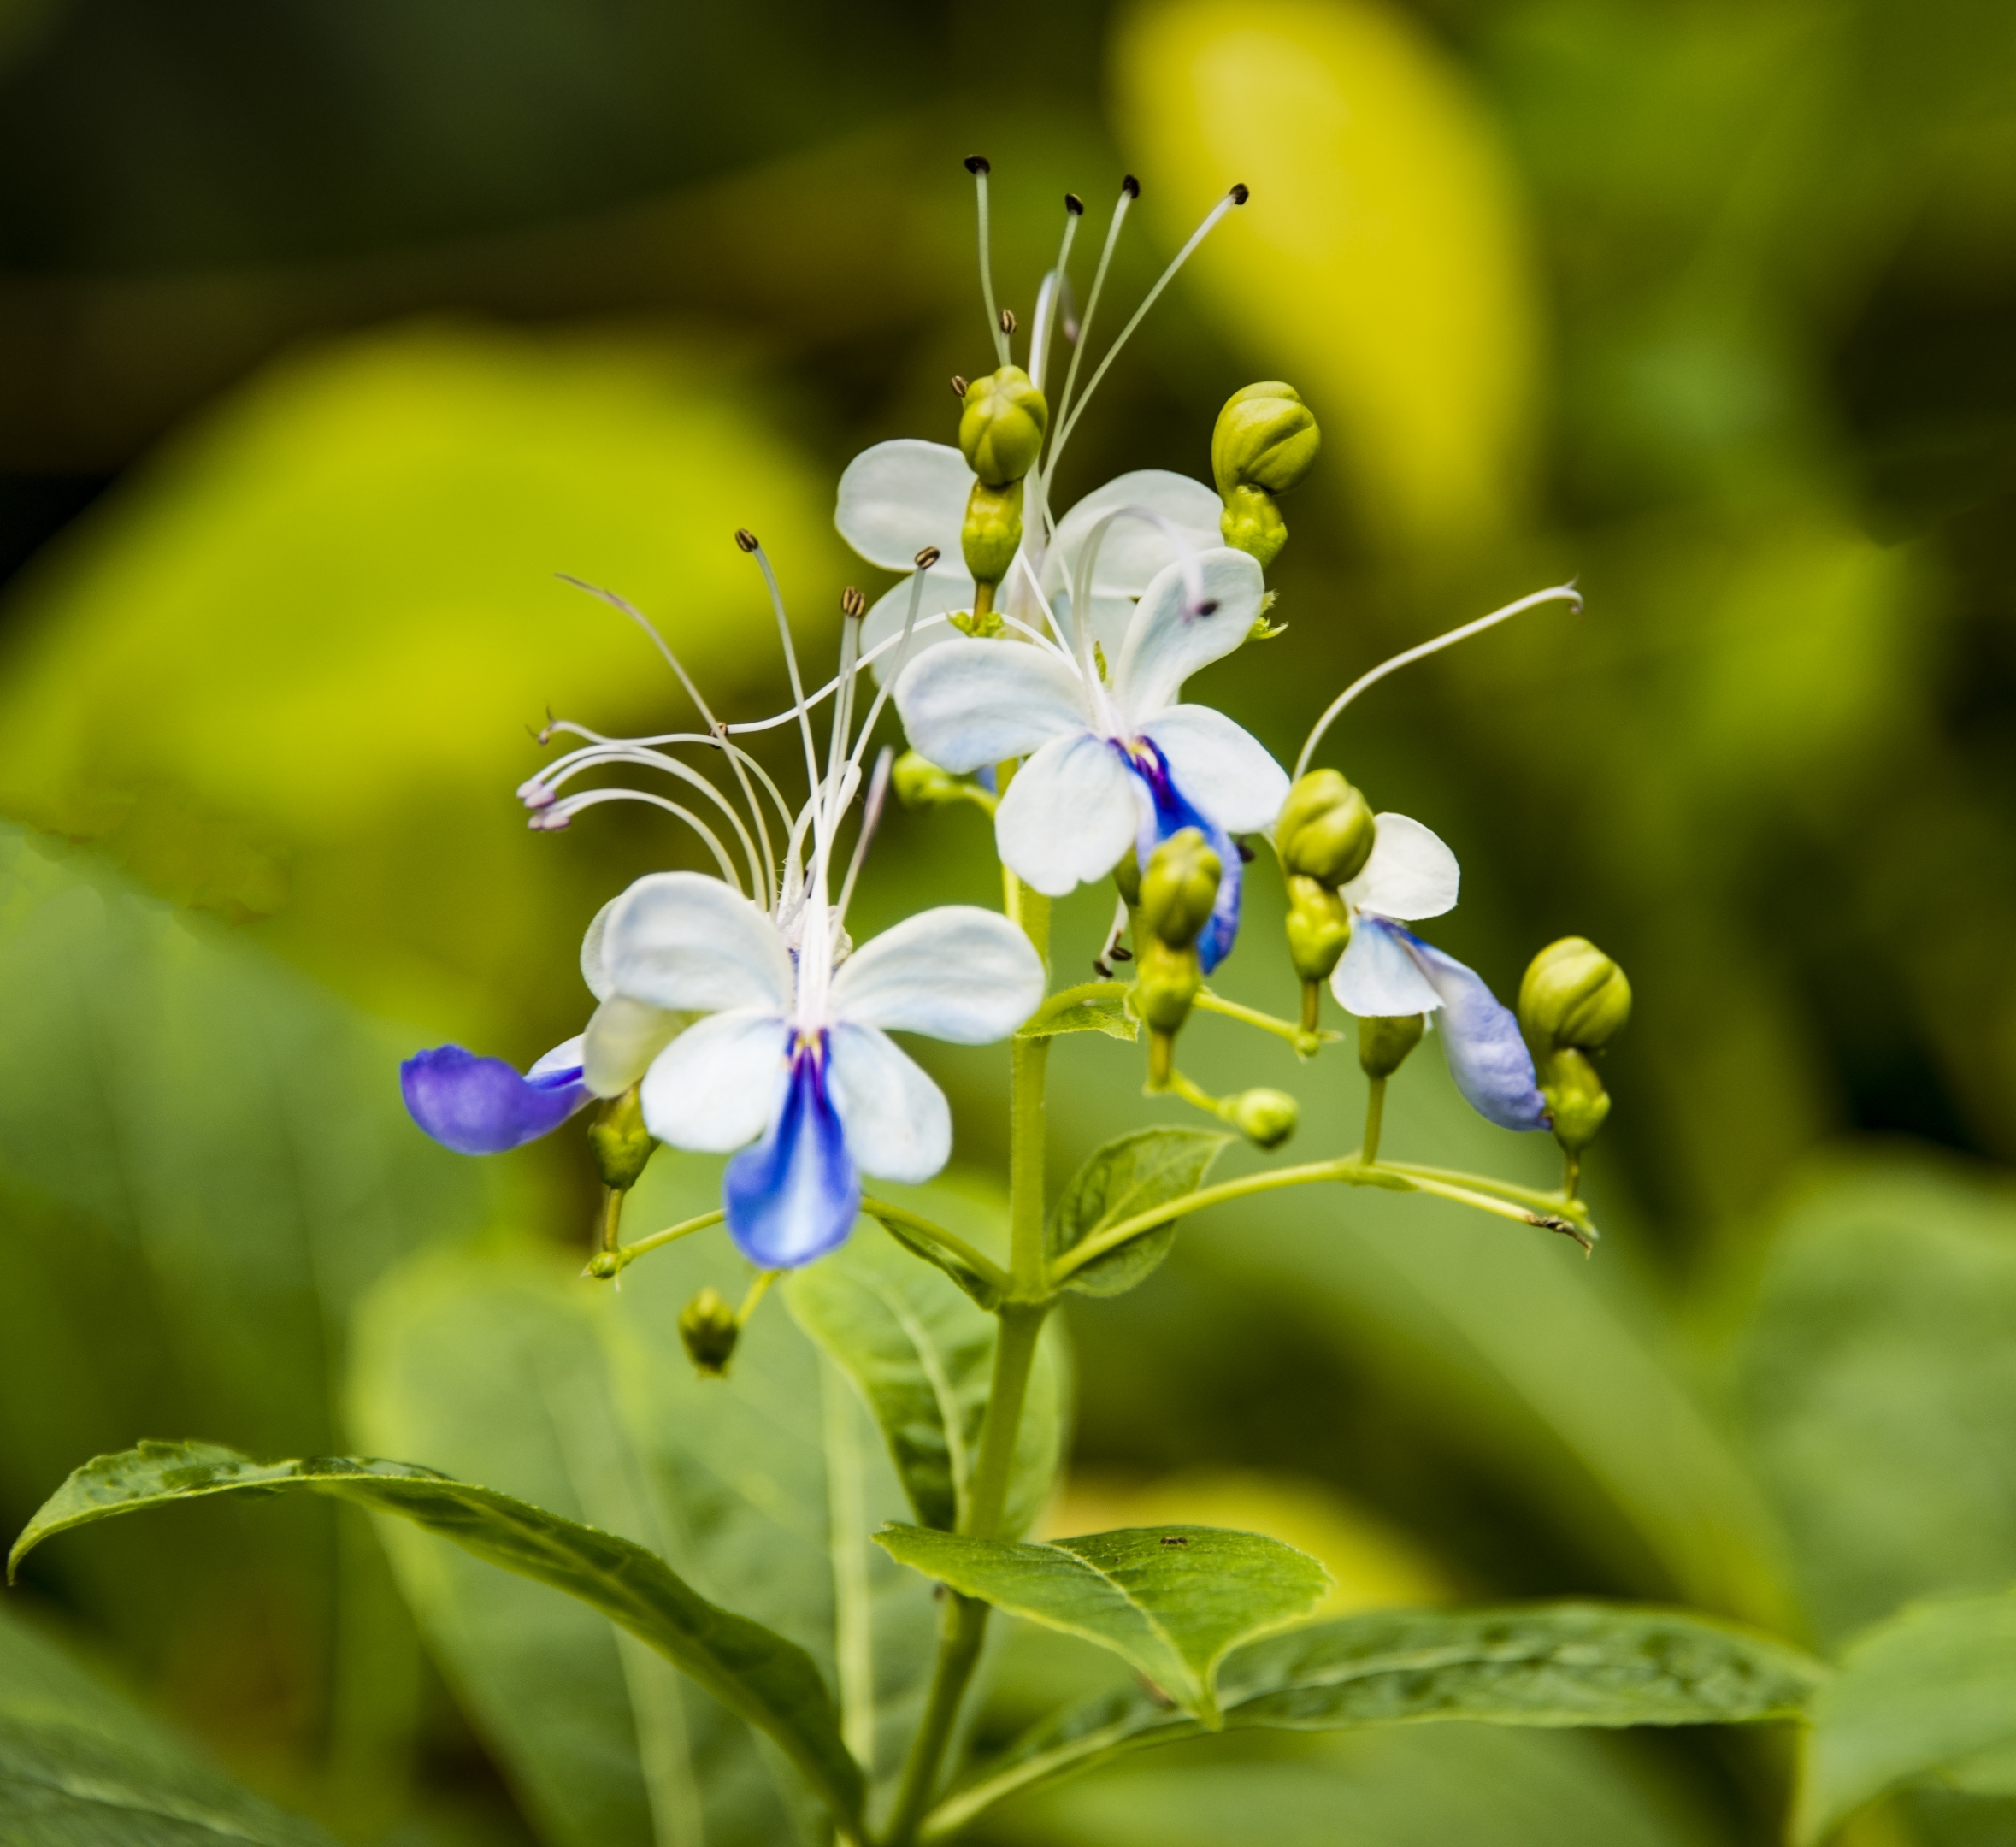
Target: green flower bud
x=1127 y=875
x=1265 y=437
x=1002 y=427
x=1573 y=994
x=1325 y=830
x=920 y=783
x=1167 y=985
x=1318 y=928
x=709 y=1331
x=993 y=530
x=1264 y=1118
x=1179 y=888
x=1384 y=1041
x=1252 y=523
x=620 y=1141
x=1574 y=1097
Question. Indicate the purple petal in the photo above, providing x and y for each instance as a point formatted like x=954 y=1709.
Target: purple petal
x=795 y=1196
x=481 y=1106
x=1169 y=812
x=1487 y=1054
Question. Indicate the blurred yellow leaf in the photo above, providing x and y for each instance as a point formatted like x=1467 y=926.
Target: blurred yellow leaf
x=1382 y=266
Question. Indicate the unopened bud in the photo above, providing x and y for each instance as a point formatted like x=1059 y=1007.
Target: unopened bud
x=1127 y=876
x=1179 y=888
x=708 y=1330
x=992 y=532
x=1325 y=830
x=1318 y=928
x=1266 y=441
x=1573 y=995
x=1576 y=1098
x=1164 y=993
x=1002 y=426
x=920 y=783
x=1252 y=523
x=620 y=1143
x=1385 y=1039
x=1264 y=1118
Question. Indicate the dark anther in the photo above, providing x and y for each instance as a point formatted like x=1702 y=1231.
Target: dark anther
x=1100 y=969
x=1240 y=195
x=926 y=559
x=1007 y=320
x=1210 y=608
x=1245 y=853
x=745 y=538
x=958 y=386
x=1173 y=1539
x=852 y=603
x=979 y=164
x=1122 y=955
x=1074 y=205
x=1131 y=187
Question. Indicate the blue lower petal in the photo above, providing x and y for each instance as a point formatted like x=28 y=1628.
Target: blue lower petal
x=795 y=1196
x=482 y=1106
x=1487 y=1053
x=1171 y=813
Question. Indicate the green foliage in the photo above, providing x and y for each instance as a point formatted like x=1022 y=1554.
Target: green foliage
x=1171 y=1601
x=1928 y=1696
x=1102 y=1013
x=772 y=1683
x=1132 y=1174
x=1554 y=1665
x=81 y=1766
x=921 y=1356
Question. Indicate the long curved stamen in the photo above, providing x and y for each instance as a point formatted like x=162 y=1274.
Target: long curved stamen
x=881 y=697
x=1237 y=195
x=843 y=705
x=715 y=739
x=749 y=543
x=1055 y=291
x=553 y=819
x=1062 y=645
x=1130 y=190
x=1186 y=558
x=979 y=165
x=871 y=815
x=1560 y=594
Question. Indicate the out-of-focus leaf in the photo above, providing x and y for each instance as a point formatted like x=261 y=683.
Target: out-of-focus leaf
x=1382 y=266
x=1554 y=1665
x=1171 y=1601
x=1105 y=1013
x=359 y=549
x=769 y=1681
x=80 y=1766
x=1928 y=1696
x=1398 y=1787
x=922 y=1354
x=1878 y=1386
x=1132 y=1174
x=984 y=1288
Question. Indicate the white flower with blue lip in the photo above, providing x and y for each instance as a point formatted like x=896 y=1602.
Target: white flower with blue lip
x=1109 y=766
x=1388 y=970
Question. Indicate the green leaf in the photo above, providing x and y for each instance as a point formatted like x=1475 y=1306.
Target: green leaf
x=1103 y=1014
x=1929 y=1694
x=1170 y=1600
x=922 y=1354
x=769 y=1681
x=1132 y=1174
x=81 y=1768
x=1562 y=1664
x=983 y=1288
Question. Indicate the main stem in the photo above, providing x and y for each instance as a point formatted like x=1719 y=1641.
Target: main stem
x=963 y=1625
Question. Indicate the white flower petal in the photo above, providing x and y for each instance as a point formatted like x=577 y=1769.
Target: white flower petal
x=1377 y=979
x=1166 y=644
x=1068 y=816
x=688 y=943
x=1411 y=873
x=899 y=497
x=957 y=973
x=1134 y=551
x=565 y=1056
x=715 y=1087
x=898 y=1124
x=622 y=1039
x=1221 y=772
x=944 y=589
x=594 y=962
x=971 y=702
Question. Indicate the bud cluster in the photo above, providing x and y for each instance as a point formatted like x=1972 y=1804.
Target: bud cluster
x=1323 y=837
x=1265 y=443
x=1003 y=420
x=1573 y=1000
x=1176 y=895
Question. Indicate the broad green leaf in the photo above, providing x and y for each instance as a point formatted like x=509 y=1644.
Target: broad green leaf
x=1132 y=1174
x=80 y=1766
x=1170 y=1600
x=1878 y=1387
x=1928 y=1696
x=1563 y=1664
x=1105 y=1013
x=921 y=1356
x=769 y=1681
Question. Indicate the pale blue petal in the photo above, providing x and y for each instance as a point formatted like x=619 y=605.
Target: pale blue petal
x=1487 y=1057
x=1378 y=979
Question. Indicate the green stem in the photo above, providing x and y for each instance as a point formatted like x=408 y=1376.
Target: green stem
x=608 y=1263
x=960 y=1637
x=1375 y=1117
x=1536 y=1197
x=1304 y=1042
x=885 y=1213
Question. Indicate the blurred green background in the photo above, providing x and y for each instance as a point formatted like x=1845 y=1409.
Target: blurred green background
x=329 y=333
